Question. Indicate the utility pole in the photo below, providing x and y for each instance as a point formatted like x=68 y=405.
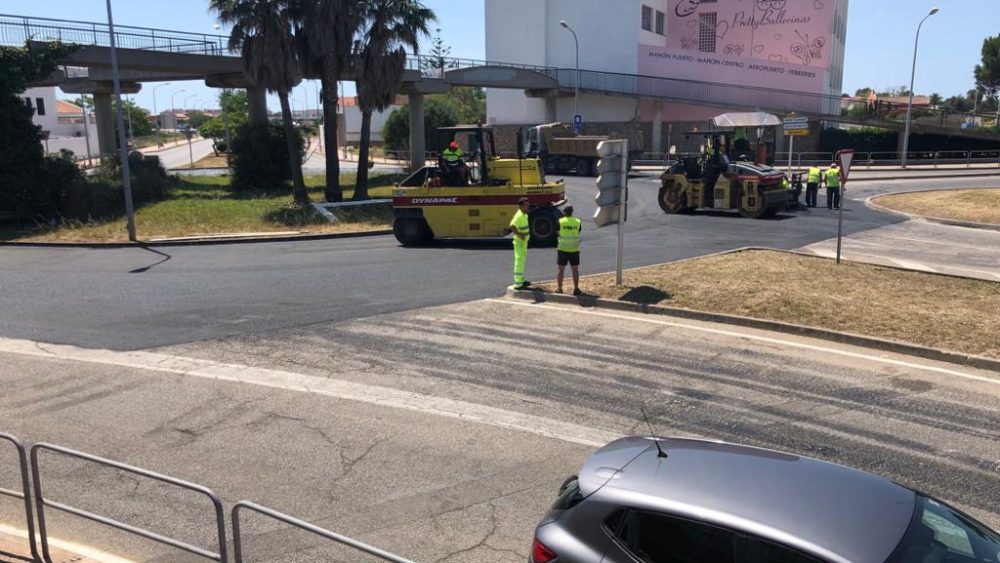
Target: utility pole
x=122 y=144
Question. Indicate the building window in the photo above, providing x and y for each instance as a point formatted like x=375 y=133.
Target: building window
x=706 y=32
x=647 y=18
x=40 y=105
x=660 y=17
x=27 y=102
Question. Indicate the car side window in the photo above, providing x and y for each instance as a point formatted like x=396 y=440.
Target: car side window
x=658 y=538
x=763 y=551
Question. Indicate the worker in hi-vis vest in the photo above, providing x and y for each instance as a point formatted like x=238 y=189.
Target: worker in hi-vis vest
x=522 y=232
x=812 y=185
x=833 y=187
x=569 y=249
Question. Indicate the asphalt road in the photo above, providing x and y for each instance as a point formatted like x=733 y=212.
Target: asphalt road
x=181 y=155
x=135 y=298
x=442 y=434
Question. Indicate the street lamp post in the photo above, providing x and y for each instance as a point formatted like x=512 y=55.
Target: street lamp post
x=187 y=99
x=122 y=147
x=913 y=75
x=173 y=108
x=576 y=92
x=157 y=114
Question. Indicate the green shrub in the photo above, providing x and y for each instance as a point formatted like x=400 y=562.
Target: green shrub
x=259 y=159
x=102 y=196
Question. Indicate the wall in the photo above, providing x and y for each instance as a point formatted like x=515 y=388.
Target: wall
x=352 y=122
x=49 y=121
x=786 y=44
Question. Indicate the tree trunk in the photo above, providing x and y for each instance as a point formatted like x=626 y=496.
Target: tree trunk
x=332 y=191
x=294 y=157
x=361 y=189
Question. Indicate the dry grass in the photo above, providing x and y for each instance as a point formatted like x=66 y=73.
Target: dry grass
x=204 y=205
x=938 y=311
x=210 y=161
x=976 y=205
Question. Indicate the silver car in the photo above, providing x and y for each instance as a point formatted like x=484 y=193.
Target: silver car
x=656 y=500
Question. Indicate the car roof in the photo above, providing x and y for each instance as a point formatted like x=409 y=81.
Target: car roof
x=829 y=510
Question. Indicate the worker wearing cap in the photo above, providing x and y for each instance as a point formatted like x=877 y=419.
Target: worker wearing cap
x=569 y=249
x=812 y=185
x=833 y=187
x=519 y=227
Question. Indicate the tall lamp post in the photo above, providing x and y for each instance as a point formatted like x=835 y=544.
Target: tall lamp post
x=187 y=100
x=122 y=143
x=576 y=92
x=913 y=74
x=173 y=108
x=157 y=114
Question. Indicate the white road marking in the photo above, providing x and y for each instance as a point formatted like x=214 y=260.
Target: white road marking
x=955 y=244
x=71 y=547
x=339 y=389
x=911 y=265
x=779 y=342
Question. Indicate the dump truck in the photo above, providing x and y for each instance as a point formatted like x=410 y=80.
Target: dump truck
x=562 y=150
x=476 y=196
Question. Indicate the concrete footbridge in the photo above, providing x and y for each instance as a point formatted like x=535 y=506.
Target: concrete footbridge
x=155 y=55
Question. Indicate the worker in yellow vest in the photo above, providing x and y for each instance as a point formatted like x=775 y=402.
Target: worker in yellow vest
x=833 y=187
x=569 y=249
x=522 y=232
x=812 y=185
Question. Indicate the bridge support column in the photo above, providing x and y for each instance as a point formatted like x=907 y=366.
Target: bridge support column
x=551 y=107
x=257 y=105
x=418 y=152
x=657 y=147
x=105 y=124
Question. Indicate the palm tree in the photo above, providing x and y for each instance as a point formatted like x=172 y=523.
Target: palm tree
x=380 y=58
x=325 y=32
x=262 y=31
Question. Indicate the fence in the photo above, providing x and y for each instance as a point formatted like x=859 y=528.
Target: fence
x=982 y=158
x=28 y=464
x=41 y=502
x=25 y=492
x=16 y=30
x=302 y=525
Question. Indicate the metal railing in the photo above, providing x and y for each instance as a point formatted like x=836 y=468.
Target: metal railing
x=16 y=30
x=302 y=525
x=41 y=502
x=25 y=492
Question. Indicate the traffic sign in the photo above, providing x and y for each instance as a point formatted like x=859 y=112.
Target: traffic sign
x=845 y=157
x=578 y=119
x=796 y=126
x=612 y=193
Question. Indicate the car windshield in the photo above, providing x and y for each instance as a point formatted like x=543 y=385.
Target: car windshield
x=941 y=534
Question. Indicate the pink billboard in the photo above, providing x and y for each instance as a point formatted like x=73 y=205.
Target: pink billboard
x=783 y=44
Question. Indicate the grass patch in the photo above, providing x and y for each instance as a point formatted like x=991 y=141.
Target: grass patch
x=150 y=140
x=210 y=161
x=204 y=205
x=975 y=205
x=926 y=309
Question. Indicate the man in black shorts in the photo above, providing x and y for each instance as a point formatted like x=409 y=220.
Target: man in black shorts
x=569 y=249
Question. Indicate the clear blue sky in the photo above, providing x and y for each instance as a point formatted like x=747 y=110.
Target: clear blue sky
x=879 y=43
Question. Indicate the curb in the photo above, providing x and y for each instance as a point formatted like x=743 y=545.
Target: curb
x=885 y=345
x=200 y=242
x=870 y=202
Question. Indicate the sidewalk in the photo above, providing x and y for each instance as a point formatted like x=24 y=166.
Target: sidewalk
x=14 y=549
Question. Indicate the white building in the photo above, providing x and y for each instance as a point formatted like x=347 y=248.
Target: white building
x=780 y=44
x=63 y=121
x=352 y=119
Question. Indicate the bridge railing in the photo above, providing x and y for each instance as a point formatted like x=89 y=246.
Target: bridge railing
x=16 y=30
